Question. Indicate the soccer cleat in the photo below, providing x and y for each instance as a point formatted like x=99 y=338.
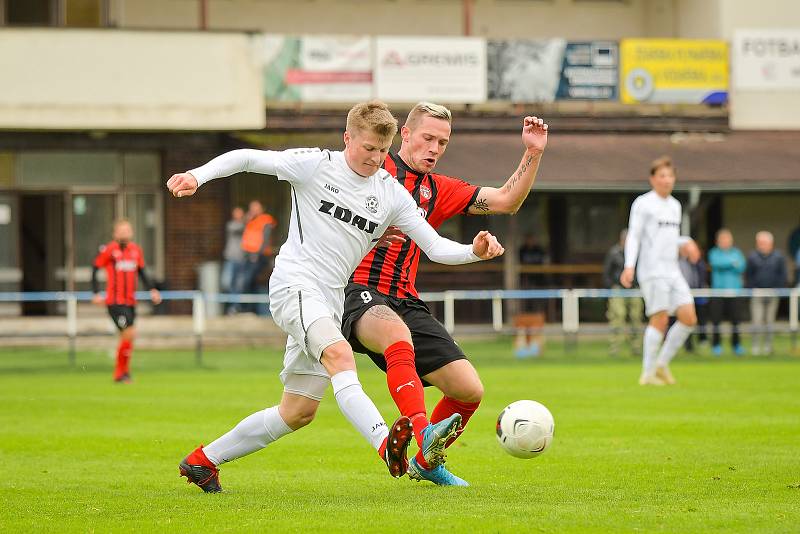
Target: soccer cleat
x=650 y=380
x=435 y=437
x=124 y=379
x=204 y=474
x=400 y=435
x=665 y=375
x=438 y=475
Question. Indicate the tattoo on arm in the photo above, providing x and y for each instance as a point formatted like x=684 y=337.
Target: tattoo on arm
x=481 y=204
x=383 y=313
x=516 y=178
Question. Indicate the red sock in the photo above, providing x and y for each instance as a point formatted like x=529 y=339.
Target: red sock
x=123 y=358
x=198 y=457
x=448 y=407
x=405 y=385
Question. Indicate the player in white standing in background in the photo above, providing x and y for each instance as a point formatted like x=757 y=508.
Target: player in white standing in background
x=342 y=202
x=651 y=248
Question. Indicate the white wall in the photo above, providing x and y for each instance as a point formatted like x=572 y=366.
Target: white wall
x=123 y=80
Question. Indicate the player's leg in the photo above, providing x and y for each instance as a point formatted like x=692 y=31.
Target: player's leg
x=462 y=389
x=357 y=407
x=680 y=298
x=296 y=410
x=123 y=317
x=381 y=330
x=656 y=301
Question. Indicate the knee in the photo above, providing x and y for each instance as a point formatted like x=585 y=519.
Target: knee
x=471 y=392
x=338 y=357
x=299 y=416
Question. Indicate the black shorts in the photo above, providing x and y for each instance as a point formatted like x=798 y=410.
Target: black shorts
x=123 y=316
x=433 y=346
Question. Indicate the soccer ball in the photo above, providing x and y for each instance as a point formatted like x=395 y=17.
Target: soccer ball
x=525 y=429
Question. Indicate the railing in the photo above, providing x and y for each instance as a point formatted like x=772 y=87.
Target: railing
x=570 y=305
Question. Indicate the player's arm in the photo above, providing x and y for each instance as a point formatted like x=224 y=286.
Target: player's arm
x=632 y=243
x=509 y=198
x=484 y=246
x=99 y=261
x=236 y=161
x=155 y=295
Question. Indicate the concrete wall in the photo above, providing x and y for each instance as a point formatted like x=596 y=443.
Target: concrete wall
x=112 y=80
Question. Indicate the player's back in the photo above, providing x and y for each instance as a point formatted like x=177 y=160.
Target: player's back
x=656 y=222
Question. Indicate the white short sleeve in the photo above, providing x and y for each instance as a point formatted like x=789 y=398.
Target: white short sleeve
x=298 y=165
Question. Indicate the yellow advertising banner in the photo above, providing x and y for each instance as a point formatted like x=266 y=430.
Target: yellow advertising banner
x=673 y=71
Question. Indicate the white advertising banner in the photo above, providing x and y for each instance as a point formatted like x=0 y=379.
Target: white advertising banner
x=334 y=69
x=439 y=69
x=766 y=60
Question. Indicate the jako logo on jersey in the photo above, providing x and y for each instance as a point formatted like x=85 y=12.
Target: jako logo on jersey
x=372 y=204
x=125 y=265
x=425 y=192
x=332 y=189
x=345 y=215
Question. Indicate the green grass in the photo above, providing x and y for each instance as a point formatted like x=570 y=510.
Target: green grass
x=719 y=452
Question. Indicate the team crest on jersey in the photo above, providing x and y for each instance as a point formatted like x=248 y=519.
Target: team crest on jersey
x=425 y=192
x=372 y=204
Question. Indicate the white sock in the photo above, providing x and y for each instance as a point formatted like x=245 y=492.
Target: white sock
x=358 y=408
x=652 y=340
x=252 y=434
x=676 y=337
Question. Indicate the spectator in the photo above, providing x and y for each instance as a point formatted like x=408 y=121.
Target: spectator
x=624 y=314
x=695 y=271
x=727 y=265
x=531 y=253
x=233 y=255
x=256 y=240
x=766 y=268
x=794 y=242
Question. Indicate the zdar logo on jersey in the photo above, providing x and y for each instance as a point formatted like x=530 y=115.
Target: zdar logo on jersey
x=345 y=215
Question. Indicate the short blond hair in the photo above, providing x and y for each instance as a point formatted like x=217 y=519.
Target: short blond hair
x=662 y=162
x=427 y=109
x=373 y=117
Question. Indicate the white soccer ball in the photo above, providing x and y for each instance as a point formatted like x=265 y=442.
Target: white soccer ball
x=525 y=428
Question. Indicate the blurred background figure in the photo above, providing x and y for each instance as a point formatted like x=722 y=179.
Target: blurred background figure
x=624 y=314
x=256 y=245
x=727 y=266
x=532 y=253
x=232 y=255
x=695 y=271
x=766 y=268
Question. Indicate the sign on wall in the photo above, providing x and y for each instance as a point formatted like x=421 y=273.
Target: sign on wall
x=766 y=59
x=439 y=69
x=673 y=71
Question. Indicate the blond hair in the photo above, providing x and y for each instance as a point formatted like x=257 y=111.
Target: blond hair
x=429 y=109
x=121 y=221
x=373 y=117
x=663 y=161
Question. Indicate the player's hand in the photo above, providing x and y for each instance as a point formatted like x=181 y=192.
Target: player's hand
x=534 y=134
x=97 y=299
x=391 y=236
x=486 y=246
x=691 y=251
x=626 y=278
x=155 y=296
x=182 y=185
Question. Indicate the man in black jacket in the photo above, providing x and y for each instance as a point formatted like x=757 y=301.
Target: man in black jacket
x=766 y=268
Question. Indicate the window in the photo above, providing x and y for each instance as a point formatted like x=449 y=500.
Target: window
x=30 y=12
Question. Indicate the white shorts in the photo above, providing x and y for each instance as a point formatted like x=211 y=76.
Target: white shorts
x=665 y=294
x=295 y=308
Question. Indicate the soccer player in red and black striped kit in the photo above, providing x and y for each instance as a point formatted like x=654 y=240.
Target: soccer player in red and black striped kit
x=384 y=316
x=122 y=260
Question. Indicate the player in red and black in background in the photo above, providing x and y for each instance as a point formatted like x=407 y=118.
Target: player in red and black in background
x=123 y=260
x=383 y=315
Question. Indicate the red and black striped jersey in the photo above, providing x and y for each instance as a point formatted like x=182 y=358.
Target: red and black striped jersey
x=122 y=265
x=393 y=270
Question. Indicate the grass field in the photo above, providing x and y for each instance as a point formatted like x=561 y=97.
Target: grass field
x=718 y=452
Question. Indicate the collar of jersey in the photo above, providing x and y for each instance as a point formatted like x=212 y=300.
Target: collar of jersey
x=398 y=161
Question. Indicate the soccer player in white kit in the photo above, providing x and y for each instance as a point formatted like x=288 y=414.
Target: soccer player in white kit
x=654 y=240
x=342 y=202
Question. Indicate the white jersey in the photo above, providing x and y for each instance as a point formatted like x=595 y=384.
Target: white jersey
x=654 y=237
x=337 y=215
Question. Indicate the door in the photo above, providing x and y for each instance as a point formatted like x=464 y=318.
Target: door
x=42 y=247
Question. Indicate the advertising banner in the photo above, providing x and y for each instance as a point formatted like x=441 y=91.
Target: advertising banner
x=673 y=71
x=439 y=69
x=318 y=68
x=590 y=71
x=766 y=60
